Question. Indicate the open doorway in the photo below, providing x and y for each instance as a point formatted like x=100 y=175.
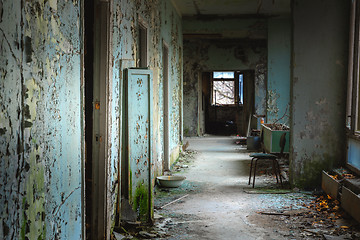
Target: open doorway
x=96 y=75
x=227 y=101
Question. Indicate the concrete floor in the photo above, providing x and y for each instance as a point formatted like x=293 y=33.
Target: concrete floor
x=221 y=204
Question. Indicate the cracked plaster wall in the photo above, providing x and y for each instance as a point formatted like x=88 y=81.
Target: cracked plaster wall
x=278 y=82
x=40 y=111
x=163 y=24
x=40 y=137
x=320 y=48
x=209 y=55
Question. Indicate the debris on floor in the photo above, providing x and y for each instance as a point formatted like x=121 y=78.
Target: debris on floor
x=321 y=218
x=240 y=140
x=138 y=231
x=265 y=171
x=185 y=160
x=216 y=195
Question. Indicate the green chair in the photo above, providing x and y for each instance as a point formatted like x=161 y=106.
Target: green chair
x=267 y=156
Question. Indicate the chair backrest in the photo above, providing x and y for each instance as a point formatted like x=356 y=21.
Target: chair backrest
x=282 y=143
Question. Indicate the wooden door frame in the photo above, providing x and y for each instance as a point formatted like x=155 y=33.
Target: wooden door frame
x=101 y=78
x=248 y=96
x=166 y=85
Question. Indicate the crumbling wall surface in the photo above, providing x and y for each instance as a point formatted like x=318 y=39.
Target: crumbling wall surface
x=221 y=54
x=170 y=29
x=320 y=44
x=163 y=24
x=192 y=72
x=40 y=122
x=175 y=77
x=278 y=81
x=11 y=131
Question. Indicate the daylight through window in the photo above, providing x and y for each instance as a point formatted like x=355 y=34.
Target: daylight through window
x=227 y=88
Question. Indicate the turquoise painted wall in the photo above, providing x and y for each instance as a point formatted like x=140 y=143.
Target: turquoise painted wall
x=278 y=79
x=40 y=120
x=318 y=84
x=163 y=24
x=41 y=108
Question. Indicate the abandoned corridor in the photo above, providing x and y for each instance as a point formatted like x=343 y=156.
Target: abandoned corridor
x=220 y=203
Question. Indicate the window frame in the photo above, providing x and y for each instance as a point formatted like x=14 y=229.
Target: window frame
x=352 y=118
x=236 y=80
x=352 y=121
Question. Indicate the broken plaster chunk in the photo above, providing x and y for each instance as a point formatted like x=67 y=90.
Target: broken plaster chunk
x=158 y=216
x=118 y=236
x=147 y=234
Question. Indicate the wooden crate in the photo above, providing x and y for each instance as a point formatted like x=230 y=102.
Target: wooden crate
x=350 y=202
x=330 y=185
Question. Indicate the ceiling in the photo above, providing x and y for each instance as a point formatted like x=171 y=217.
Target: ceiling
x=232 y=7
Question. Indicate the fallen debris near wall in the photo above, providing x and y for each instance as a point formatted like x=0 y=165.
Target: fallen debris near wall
x=185 y=159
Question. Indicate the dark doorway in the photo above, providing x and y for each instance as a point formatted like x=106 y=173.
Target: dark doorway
x=142 y=46
x=165 y=59
x=89 y=88
x=227 y=101
x=96 y=76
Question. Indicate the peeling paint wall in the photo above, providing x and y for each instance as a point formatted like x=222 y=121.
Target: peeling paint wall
x=163 y=24
x=40 y=120
x=226 y=54
x=41 y=108
x=278 y=81
x=319 y=76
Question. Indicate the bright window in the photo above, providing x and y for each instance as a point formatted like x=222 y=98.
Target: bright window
x=353 y=87
x=227 y=75
x=353 y=99
x=227 y=88
x=223 y=92
x=241 y=89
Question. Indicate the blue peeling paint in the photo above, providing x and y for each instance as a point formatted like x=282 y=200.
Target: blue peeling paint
x=278 y=81
x=41 y=112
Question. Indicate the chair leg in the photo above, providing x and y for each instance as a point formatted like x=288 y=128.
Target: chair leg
x=251 y=165
x=278 y=169
x=254 y=173
x=275 y=170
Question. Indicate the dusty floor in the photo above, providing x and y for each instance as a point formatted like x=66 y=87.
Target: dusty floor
x=218 y=203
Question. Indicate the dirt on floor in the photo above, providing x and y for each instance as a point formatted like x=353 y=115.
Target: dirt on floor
x=216 y=202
